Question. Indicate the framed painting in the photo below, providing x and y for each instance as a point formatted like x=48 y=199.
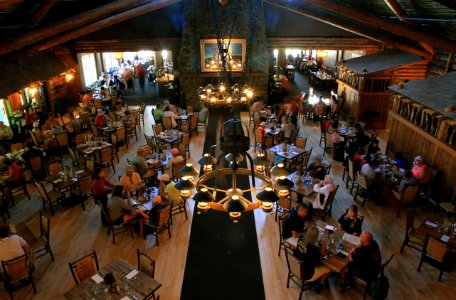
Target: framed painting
x=210 y=57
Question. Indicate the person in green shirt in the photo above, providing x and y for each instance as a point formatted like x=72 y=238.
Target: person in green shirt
x=168 y=190
x=158 y=112
x=202 y=116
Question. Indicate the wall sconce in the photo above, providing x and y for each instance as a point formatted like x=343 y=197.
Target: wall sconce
x=33 y=91
x=165 y=54
x=322 y=53
x=69 y=76
x=118 y=55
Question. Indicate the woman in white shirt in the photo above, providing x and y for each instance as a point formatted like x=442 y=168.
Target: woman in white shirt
x=324 y=188
x=172 y=115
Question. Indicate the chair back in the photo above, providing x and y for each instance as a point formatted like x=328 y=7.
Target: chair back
x=182 y=150
x=149 y=140
x=301 y=142
x=45 y=228
x=105 y=155
x=113 y=101
x=142 y=108
x=351 y=169
x=186 y=139
x=85 y=185
x=157 y=129
x=362 y=181
x=306 y=157
x=81 y=138
x=294 y=265
x=410 y=220
x=167 y=123
x=62 y=139
x=184 y=128
x=189 y=109
x=329 y=141
x=120 y=134
x=84 y=118
x=282 y=219
x=436 y=250
x=326 y=167
x=16 y=147
x=97 y=104
x=84 y=267
x=145 y=264
x=16 y=269
x=90 y=166
x=94 y=131
x=164 y=216
x=330 y=201
x=135 y=115
x=194 y=122
x=176 y=167
x=54 y=167
x=41 y=190
x=409 y=193
x=35 y=163
x=259 y=136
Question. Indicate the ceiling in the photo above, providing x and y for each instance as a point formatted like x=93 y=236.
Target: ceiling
x=418 y=26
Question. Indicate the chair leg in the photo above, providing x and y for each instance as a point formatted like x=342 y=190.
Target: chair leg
x=353 y=185
x=156 y=235
x=364 y=199
x=169 y=231
x=288 y=279
x=33 y=283
x=404 y=243
x=356 y=193
x=441 y=273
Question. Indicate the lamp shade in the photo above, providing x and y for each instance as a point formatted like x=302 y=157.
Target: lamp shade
x=188 y=170
x=184 y=184
x=261 y=160
x=268 y=195
x=322 y=53
x=207 y=159
x=203 y=195
x=283 y=184
x=279 y=170
x=235 y=205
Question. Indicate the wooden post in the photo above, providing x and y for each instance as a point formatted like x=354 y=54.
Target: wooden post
x=396 y=8
x=41 y=12
x=68 y=24
x=449 y=62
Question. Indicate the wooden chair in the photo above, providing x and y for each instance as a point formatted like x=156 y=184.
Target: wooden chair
x=135 y=115
x=43 y=244
x=194 y=124
x=37 y=167
x=121 y=138
x=326 y=211
x=185 y=140
x=301 y=142
x=366 y=284
x=157 y=129
x=189 y=109
x=62 y=139
x=282 y=219
x=177 y=209
x=19 y=189
x=436 y=252
x=283 y=206
x=412 y=238
x=351 y=175
x=107 y=158
x=163 y=222
x=362 y=189
x=327 y=168
x=78 y=161
x=175 y=167
x=95 y=132
x=98 y=104
x=329 y=145
x=142 y=111
x=81 y=138
x=260 y=140
x=145 y=264
x=203 y=123
x=167 y=123
x=84 y=189
x=54 y=168
x=84 y=267
x=90 y=166
x=15 y=271
x=51 y=197
x=149 y=140
x=85 y=120
x=185 y=128
x=406 y=197
x=116 y=228
x=295 y=272
x=115 y=150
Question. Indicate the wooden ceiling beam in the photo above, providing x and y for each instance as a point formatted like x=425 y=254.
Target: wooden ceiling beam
x=123 y=16
x=8 y=3
x=396 y=28
x=40 y=12
x=447 y=3
x=68 y=24
x=359 y=30
x=397 y=9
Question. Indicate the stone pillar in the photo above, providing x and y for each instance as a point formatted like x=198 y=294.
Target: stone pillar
x=199 y=24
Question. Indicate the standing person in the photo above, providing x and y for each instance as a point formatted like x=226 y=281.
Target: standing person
x=364 y=260
x=6 y=135
x=101 y=187
x=129 y=79
x=350 y=222
x=141 y=74
x=307 y=251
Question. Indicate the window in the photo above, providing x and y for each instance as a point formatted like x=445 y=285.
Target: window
x=3 y=114
x=89 y=68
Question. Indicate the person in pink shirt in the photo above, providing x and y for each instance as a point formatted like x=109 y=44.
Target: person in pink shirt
x=420 y=171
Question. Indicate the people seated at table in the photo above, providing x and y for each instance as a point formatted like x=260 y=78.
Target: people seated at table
x=350 y=222
x=373 y=148
x=87 y=97
x=103 y=92
x=30 y=117
x=11 y=246
x=323 y=188
x=257 y=106
x=101 y=119
x=401 y=161
x=128 y=120
x=117 y=206
x=358 y=159
x=406 y=181
x=176 y=157
x=157 y=204
x=101 y=187
x=298 y=220
x=287 y=129
x=6 y=135
x=309 y=252
x=364 y=260
x=170 y=114
x=316 y=170
x=167 y=189
x=370 y=170
x=141 y=166
x=159 y=112
x=420 y=171
x=131 y=180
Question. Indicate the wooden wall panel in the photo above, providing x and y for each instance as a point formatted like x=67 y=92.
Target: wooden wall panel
x=411 y=141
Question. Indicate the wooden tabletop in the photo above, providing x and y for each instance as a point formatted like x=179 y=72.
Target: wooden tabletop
x=431 y=229
x=300 y=187
x=142 y=284
x=274 y=132
x=61 y=184
x=290 y=154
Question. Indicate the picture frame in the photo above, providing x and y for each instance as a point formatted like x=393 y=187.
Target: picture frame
x=210 y=58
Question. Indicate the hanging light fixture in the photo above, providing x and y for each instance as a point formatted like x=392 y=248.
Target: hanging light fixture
x=322 y=53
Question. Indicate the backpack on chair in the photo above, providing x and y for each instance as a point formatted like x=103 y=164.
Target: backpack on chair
x=378 y=289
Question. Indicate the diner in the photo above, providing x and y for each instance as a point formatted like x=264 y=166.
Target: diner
x=236 y=146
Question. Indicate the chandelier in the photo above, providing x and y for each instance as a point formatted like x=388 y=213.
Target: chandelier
x=222 y=93
x=219 y=187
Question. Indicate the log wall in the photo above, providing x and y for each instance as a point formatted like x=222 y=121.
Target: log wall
x=411 y=140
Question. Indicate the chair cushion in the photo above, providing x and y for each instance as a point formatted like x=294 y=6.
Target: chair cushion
x=448 y=206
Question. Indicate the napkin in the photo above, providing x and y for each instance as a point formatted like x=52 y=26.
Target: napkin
x=74 y=179
x=97 y=278
x=329 y=227
x=132 y=274
x=57 y=181
x=430 y=224
x=78 y=172
x=125 y=298
x=445 y=238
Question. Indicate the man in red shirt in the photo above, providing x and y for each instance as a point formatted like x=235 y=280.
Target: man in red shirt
x=101 y=119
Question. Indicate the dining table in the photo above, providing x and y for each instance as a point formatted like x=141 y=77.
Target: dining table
x=169 y=137
x=130 y=283
x=91 y=148
x=442 y=232
x=64 y=182
x=300 y=187
x=291 y=153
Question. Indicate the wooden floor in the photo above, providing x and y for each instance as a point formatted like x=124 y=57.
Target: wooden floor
x=75 y=232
